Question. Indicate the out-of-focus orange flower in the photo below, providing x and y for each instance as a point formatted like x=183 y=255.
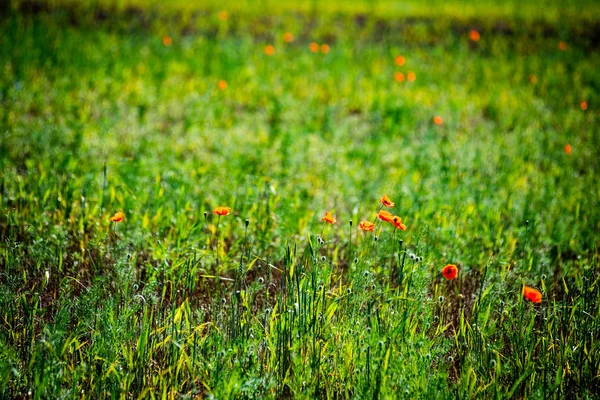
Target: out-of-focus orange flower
x=532 y=79
x=399 y=77
x=118 y=217
x=314 y=47
x=328 y=218
x=568 y=149
x=397 y=222
x=583 y=105
x=450 y=271
x=269 y=50
x=325 y=48
x=562 y=46
x=223 y=16
x=400 y=60
x=386 y=201
x=531 y=294
x=167 y=41
x=222 y=210
x=474 y=35
x=385 y=216
x=288 y=37
x=411 y=76
x=222 y=84
x=366 y=226
x=438 y=120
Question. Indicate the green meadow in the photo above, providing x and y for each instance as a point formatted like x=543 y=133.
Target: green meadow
x=479 y=120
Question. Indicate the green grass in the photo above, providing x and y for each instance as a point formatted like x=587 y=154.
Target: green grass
x=97 y=115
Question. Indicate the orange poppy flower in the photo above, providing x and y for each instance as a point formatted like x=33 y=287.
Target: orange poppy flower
x=474 y=35
x=531 y=294
x=438 y=120
x=222 y=210
x=399 y=77
x=400 y=60
x=118 y=217
x=411 y=76
x=269 y=50
x=223 y=16
x=366 y=226
x=562 y=46
x=568 y=149
x=167 y=41
x=397 y=222
x=583 y=105
x=386 y=201
x=532 y=79
x=222 y=84
x=385 y=216
x=328 y=218
x=314 y=47
x=325 y=48
x=288 y=37
x=450 y=271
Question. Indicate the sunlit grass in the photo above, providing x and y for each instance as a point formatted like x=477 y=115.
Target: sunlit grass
x=299 y=203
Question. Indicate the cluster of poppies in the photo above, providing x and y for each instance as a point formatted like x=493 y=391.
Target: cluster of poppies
x=383 y=215
x=450 y=271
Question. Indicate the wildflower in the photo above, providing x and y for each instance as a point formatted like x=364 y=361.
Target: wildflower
x=450 y=271
x=325 y=48
x=167 y=41
x=366 y=226
x=568 y=149
x=397 y=222
x=223 y=16
x=222 y=210
x=386 y=201
x=118 y=217
x=474 y=35
x=222 y=84
x=583 y=105
x=562 y=46
x=531 y=294
x=400 y=60
x=269 y=50
x=385 y=216
x=328 y=218
x=314 y=47
x=411 y=76
x=438 y=120
x=399 y=77
x=532 y=79
x=288 y=37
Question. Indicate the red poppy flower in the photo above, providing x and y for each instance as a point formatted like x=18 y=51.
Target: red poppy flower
x=118 y=217
x=366 y=226
x=583 y=105
x=288 y=37
x=269 y=50
x=328 y=218
x=314 y=47
x=450 y=271
x=399 y=77
x=222 y=210
x=568 y=149
x=531 y=294
x=397 y=222
x=385 y=216
x=474 y=35
x=400 y=60
x=438 y=120
x=386 y=201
